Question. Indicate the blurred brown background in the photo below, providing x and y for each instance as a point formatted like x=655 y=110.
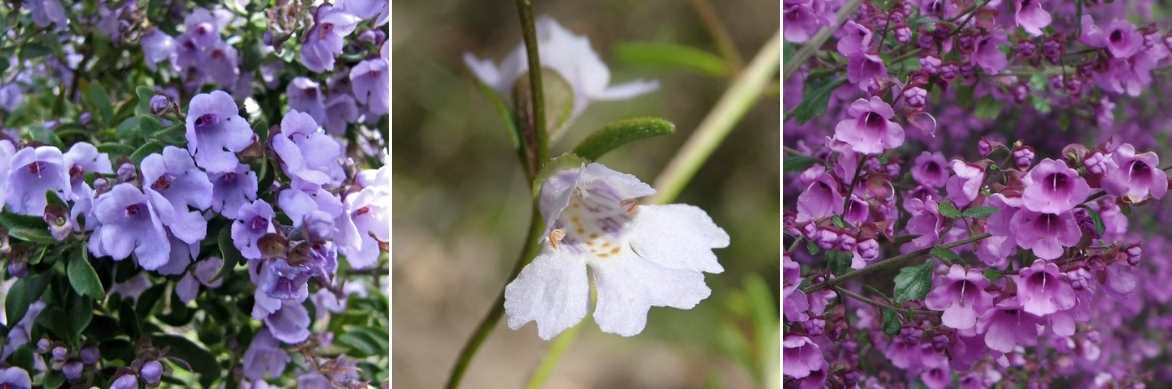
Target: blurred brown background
x=461 y=203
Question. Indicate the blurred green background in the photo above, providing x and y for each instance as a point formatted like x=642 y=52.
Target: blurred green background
x=461 y=203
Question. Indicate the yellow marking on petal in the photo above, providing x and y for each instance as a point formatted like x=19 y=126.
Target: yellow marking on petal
x=614 y=251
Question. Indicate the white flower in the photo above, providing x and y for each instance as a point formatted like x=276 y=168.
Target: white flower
x=639 y=255
x=570 y=56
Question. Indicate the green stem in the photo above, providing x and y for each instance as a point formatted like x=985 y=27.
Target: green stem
x=729 y=110
x=741 y=95
x=529 y=31
x=819 y=38
x=720 y=36
x=892 y=262
x=528 y=251
x=556 y=349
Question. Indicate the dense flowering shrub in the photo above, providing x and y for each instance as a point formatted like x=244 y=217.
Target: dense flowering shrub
x=972 y=195
x=194 y=194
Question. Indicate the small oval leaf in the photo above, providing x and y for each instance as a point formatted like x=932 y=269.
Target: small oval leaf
x=620 y=133
x=82 y=276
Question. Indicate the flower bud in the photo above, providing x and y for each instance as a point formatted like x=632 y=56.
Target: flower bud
x=159 y=104
x=84 y=118
x=151 y=372
x=72 y=370
x=59 y=354
x=43 y=345
x=915 y=97
x=127 y=173
x=90 y=355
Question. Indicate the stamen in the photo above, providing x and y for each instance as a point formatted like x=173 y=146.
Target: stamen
x=555 y=237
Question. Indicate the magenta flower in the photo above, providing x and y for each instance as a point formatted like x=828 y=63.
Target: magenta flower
x=803 y=18
x=1007 y=326
x=868 y=128
x=1052 y=187
x=802 y=356
x=1046 y=234
x=1043 y=290
x=964 y=187
x=819 y=200
x=853 y=39
x=215 y=131
x=1030 y=16
x=1121 y=39
x=31 y=173
x=862 y=68
x=987 y=53
x=930 y=169
x=1135 y=176
x=961 y=295
x=131 y=222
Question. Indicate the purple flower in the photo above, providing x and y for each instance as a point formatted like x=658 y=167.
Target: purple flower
x=1043 y=290
x=1121 y=39
x=233 y=189
x=151 y=372
x=863 y=68
x=15 y=378
x=157 y=47
x=280 y=280
x=854 y=39
x=204 y=273
x=174 y=175
x=1046 y=234
x=253 y=222
x=961 y=295
x=290 y=323
x=307 y=153
x=1007 y=325
x=368 y=212
x=930 y=169
x=868 y=128
x=219 y=63
x=803 y=18
x=306 y=96
x=313 y=380
x=1135 y=176
x=964 y=187
x=1052 y=187
x=203 y=26
x=987 y=53
x=45 y=12
x=264 y=357
x=125 y=381
x=820 y=199
x=130 y=221
x=72 y=370
x=323 y=42
x=302 y=198
x=1030 y=16
x=375 y=10
x=371 y=82
x=215 y=131
x=11 y=97
x=341 y=110
x=802 y=356
x=31 y=173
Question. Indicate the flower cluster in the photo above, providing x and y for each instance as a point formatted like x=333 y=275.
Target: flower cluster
x=122 y=196
x=1012 y=262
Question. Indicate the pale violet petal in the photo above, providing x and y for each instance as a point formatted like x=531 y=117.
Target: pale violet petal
x=552 y=290
x=626 y=90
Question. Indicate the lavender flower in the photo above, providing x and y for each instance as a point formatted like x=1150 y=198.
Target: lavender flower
x=253 y=222
x=307 y=153
x=1136 y=177
x=323 y=42
x=961 y=295
x=1030 y=16
x=31 y=173
x=215 y=131
x=371 y=82
x=1052 y=187
x=15 y=378
x=868 y=128
x=368 y=212
x=341 y=110
x=264 y=357
x=306 y=96
x=1043 y=290
x=802 y=356
x=290 y=323
x=1046 y=234
x=233 y=189
x=130 y=221
x=1007 y=325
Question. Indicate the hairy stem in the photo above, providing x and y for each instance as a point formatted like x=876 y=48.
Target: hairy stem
x=729 y=110
x=896 y=261
x=537 y=95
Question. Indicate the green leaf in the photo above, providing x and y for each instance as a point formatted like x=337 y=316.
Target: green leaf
x=817 y=95
x=81 y=312
x=796 y=163
x=948 y=210
x=840 y=261
x=913 y=283
x=54 y=319
x=82 y=276
x=619 y=133
x=228 y=252
x=666 y=56
x=23 y=293
x=97 y=100
x=1097 y=218
x=23 y=358
x=891 y=324
x=145 y=150
x=946 y=254
x=191 y=354
x=27 y=228
x=54 y=380
x=502 y=109
x=143 y=94
x=987 y=108
x=116 y=149
x=993 y=274
x=979 y=212
x=34 y=50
